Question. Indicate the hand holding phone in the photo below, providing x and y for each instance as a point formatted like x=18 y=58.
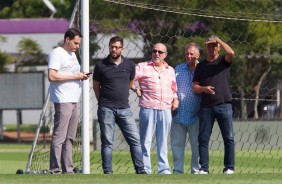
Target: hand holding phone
x=89 y=73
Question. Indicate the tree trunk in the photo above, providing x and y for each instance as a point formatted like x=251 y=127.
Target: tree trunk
x=243 y=109
x=257 y=89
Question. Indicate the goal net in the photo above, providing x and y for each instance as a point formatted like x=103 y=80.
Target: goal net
x=252 y=28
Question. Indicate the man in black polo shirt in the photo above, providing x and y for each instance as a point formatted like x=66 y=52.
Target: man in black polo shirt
x=211 y=79
x=111 y=80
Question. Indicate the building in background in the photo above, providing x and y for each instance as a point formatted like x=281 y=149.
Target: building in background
x=47 y=33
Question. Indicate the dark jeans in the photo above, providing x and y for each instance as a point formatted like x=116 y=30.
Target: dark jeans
x=223 y=114
x=107 y=118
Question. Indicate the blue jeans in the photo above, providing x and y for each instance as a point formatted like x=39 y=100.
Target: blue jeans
x=152 y=120
x=223 y=114
x=178 y=141
x=107 y=118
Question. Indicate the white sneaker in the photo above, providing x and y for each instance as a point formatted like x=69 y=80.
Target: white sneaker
x=228 y=171
x=203 y=172
x=165 y=172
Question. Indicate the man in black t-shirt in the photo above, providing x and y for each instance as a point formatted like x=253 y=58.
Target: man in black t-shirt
x=211 y=80
x=111 y=80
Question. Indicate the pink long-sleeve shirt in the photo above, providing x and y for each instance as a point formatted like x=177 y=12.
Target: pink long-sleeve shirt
x=158 y=88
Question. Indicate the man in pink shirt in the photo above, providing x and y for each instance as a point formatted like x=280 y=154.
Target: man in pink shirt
x=158 y=100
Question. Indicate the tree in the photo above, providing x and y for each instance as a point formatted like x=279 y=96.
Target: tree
x=243 y=25
x=29 y=50
x=5 y=58
x=267 y=37
x=35 y=9
x=30 y=53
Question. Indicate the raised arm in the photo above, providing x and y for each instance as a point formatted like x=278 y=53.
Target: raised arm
x=229 y=53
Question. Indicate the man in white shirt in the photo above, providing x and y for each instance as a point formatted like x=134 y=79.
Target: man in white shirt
x=65 y=91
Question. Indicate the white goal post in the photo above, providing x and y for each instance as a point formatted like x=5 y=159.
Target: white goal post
x=85 y=89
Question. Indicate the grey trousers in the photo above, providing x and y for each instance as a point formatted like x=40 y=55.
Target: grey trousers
x=65 y=126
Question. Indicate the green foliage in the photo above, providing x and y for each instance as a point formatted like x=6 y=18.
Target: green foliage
x=5 y=58
x=35 y=9
x=27 y=128
x=23 y=9
x=156 y=24
x=30 y=53
x=251 y=28
x=29 y=46
x=23 y=128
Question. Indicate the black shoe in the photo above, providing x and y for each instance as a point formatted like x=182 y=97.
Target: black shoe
x=69 y=173
x=76 y=170
x=56 y=172
x=108 y=173
x=141 y=172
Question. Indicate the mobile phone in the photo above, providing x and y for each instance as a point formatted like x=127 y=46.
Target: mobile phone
x=89 y=73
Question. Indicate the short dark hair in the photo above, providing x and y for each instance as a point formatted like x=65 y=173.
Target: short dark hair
x=116 y=39
x=71 y=33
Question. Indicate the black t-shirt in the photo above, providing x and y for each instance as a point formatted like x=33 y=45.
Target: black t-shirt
x=114 y=80
x=214 y=74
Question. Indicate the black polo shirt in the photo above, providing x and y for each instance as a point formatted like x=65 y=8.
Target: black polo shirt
x=114 y=80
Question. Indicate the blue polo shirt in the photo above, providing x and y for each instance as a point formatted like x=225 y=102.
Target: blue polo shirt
x=114 y=81
x=189 y=102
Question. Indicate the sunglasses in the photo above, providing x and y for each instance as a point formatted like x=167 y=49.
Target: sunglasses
x=158 y=51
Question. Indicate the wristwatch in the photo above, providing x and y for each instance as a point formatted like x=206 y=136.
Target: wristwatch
x=135 y=90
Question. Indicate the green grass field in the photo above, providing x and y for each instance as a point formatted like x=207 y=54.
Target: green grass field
x=143 y=179
x=14 y=156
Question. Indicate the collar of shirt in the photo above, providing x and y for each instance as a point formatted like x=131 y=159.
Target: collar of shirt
x=111 y=61
x=152 y=63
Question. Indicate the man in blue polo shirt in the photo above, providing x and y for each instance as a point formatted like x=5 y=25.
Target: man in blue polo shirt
x=111 y=80
x=186 y=120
